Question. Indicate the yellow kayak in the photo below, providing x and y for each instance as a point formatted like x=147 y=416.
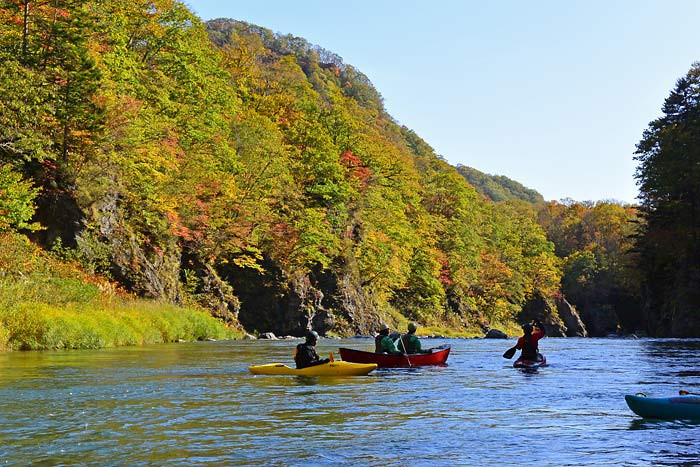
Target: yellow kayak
x=339 y=368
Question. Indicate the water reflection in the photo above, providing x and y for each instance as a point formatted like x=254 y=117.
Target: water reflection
x=672 y=348
x=675 y=358
x=653 y=424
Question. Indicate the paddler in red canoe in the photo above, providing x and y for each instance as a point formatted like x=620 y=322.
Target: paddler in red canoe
x=383 y=343
x=409 y=342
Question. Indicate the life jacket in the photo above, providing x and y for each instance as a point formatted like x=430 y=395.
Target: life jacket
x=529 y=350
x=406 y=345
x=305 y=355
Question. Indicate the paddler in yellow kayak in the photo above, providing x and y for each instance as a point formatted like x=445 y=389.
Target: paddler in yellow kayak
x=305 y=354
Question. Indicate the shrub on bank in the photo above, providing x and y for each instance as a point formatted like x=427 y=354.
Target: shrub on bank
x=37 y=326
x=48 y=304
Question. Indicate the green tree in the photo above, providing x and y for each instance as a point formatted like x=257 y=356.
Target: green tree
x=668 y=175
x=16 y=200
x=26 y=114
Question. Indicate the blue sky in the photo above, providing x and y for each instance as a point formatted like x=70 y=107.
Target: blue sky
x=553 y=94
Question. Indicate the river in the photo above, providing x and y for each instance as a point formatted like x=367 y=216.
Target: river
x=195 y=404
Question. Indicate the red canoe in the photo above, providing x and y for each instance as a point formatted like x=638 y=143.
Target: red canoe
x=438 y=356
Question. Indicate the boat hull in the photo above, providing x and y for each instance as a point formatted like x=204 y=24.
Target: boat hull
x=438 y=356
x=530 y=364
x=339 y=368
x=665 y=408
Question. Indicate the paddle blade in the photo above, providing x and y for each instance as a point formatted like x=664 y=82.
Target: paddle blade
x=509 y=353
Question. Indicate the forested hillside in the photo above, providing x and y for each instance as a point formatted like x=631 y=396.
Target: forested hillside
x=595 y=242
x=261 y=177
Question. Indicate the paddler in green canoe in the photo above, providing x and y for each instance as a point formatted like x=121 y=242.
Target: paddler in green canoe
x=383 y=343
x=409 y=342
x=305 y=354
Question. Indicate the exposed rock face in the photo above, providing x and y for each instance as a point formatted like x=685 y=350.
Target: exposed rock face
x=540 y=308
x=303 y=307
x=272 y=302
x=557 y=315
x=571 y=319
x=351 y=306
x=57 y=209
x=111 y=243
x=292 y=304
x=149 y=270
x=217 y=295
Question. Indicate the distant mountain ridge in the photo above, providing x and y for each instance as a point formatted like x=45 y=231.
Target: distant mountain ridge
x=499 y=187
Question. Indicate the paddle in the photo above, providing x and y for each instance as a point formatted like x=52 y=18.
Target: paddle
x=683 y=392
x=403 y=347
x=510 y=352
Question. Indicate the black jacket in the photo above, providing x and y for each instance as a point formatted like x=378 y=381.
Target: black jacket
x=306 y=355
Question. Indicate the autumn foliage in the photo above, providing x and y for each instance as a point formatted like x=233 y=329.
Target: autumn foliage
x=251 y=171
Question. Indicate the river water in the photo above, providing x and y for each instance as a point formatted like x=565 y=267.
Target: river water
x=197 y=405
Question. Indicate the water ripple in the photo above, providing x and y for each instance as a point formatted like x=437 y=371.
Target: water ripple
x=197 y=405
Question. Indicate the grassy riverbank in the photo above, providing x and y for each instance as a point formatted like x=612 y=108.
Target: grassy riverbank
x=47 y=304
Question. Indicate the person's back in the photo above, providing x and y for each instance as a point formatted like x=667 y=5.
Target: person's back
x=409 y=342
x=529 y=349
x=378 y=343
x=305 y=355
x=529 y=342
x=383 y=343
